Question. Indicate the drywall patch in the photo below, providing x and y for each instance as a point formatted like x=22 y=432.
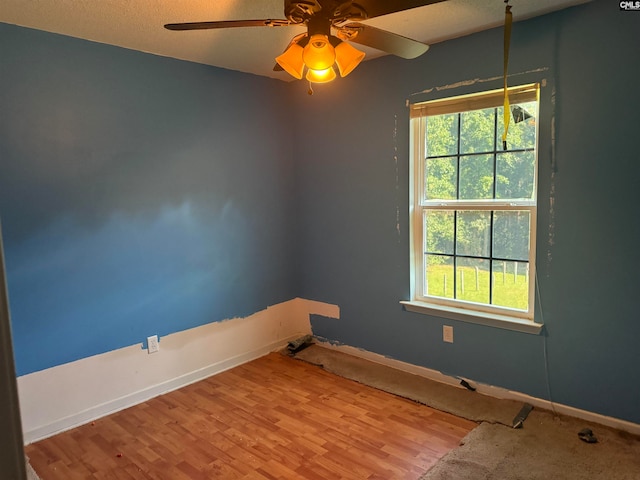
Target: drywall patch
x=473 y=81
x=313 y=307
x=552 y=187
x=397 y=182
x=314 y=317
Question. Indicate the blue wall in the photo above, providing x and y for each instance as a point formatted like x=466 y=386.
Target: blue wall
x=144 y=195
x=355 y=251
x=139 y=195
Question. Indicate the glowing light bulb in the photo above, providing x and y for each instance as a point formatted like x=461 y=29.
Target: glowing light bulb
x=321 y=76
x=319 y=54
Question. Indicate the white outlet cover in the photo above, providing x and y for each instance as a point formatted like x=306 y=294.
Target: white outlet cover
x=447 y=333
x=152 y=344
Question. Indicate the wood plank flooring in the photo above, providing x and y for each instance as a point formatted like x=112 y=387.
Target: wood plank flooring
x=273 y=418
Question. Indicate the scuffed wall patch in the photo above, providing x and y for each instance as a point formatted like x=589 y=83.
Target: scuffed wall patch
x=314 y=317
x=397 y=179
x=473 y=81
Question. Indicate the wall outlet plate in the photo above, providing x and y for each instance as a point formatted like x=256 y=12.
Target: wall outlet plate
x=152 y=344
x=447 y=333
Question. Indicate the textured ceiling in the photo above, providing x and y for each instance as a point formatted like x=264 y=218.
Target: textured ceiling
x=138 y=25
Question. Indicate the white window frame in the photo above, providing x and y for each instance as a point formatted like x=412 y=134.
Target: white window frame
x=457 y=309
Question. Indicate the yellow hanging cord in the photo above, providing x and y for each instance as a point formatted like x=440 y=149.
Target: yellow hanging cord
x=508 y=18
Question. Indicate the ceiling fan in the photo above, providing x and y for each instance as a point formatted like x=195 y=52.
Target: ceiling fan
x=316 y=53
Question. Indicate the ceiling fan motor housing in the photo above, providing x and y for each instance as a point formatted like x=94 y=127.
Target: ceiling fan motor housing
x=299 y=11
x=334 y=11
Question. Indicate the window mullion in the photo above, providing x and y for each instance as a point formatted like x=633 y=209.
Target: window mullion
x=455 y=214
x=495 y=187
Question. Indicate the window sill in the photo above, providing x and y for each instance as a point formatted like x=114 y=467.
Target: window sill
x=481 y=318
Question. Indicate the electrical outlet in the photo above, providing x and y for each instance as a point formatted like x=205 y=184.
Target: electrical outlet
x=447 y=333
x=152 y=344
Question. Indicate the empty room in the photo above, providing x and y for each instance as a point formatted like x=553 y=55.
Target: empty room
x=285 y=239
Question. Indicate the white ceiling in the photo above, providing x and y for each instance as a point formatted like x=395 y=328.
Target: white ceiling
x=138 y=25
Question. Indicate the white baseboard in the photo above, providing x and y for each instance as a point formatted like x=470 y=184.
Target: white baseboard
x=66 y=396
x=489 y=390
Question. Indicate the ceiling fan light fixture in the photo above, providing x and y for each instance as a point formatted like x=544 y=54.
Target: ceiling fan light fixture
x=318 y=50
x=319 y=54
x=321 y=76
x=291 y=61
x=347 y=58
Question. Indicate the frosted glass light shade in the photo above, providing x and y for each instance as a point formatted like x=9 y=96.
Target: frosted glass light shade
x=347 y=58
x=319 y=54
x=318 y=57
x=291 y=61
x=321 y=76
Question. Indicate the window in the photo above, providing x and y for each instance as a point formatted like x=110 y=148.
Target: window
x=473 y=205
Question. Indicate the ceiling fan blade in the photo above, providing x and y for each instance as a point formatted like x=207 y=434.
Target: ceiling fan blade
x=227 y=24
x=375 y=8
x=386 y=41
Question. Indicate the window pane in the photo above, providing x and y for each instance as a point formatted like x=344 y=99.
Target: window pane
x=511 y=235
x=441 y=178
x=472 y=281
x=515 y=175
x=477 y=131
x=511 y=284
x=476 y=177
x=439 y=276
x=442 y=135
x=438 y=225
x=522 y=127
x=472 y=233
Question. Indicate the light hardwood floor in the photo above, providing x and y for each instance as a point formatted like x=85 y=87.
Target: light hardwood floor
x=273 y=418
